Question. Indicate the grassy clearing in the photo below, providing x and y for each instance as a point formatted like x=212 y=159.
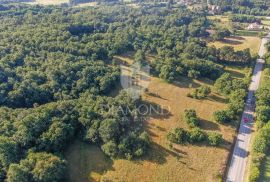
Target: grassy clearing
x=222 y=18
x=183 y=162
x=237 y=71
x=239 y=43
x=86 y=162
x=266 y=22
x=221 y=21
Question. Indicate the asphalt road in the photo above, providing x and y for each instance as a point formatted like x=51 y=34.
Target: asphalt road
x=238 y=162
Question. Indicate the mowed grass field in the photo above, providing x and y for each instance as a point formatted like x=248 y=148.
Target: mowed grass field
x=239 y=43
x=162 y=163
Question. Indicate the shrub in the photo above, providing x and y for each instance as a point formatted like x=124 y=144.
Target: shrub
x=110 y=148
x=263 y=113
x=224 y=116
x=191 y=118
x=224 y=84
x=193 y=74
x=200 y=93
x=178 y=135
x=214 y=138
x=133 y=146
x=196 y=135
x=254 y=174
x=259 y=144
x=237 y=101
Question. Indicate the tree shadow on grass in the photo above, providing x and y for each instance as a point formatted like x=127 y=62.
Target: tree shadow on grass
x=86 y=162
x=237 y=38
x=155 y=95
x=231 y=42
x=217 y=98
x=236 y=74
x=158 y=154
x=185 y=82
x=226 y=144
x=209 y=125
x=206 y=81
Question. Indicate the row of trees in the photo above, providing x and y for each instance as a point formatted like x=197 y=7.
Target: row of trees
x=196 y=60
x=195 y=135
x=261 y=141
x=234 y=89
x=244 y=18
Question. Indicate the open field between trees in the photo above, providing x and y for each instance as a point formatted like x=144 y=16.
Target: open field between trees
x=182 y=162
x=239 y=43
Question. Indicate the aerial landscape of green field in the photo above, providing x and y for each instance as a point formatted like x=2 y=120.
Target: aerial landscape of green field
x=134 y=91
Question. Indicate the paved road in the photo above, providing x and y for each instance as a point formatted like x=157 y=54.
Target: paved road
x=239 y=158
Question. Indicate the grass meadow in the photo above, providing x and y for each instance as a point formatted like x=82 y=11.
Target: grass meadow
x=163 y=163
x=239 y=43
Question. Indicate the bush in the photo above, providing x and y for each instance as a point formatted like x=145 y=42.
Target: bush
x=133 y=146
x=200 y=93
x=110 y=148
x=263 y=113
x=224 y=116
x=254 y=174
x=196 y=135
x=237 y=101
x=178 y=135
x=259 y=144
x=193 y=74
x=224 y=84
x=214 y=138
x=191 y=118
x=221 y=34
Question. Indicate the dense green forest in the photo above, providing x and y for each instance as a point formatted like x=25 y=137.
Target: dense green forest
x=250 y=7
x=56 y=75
